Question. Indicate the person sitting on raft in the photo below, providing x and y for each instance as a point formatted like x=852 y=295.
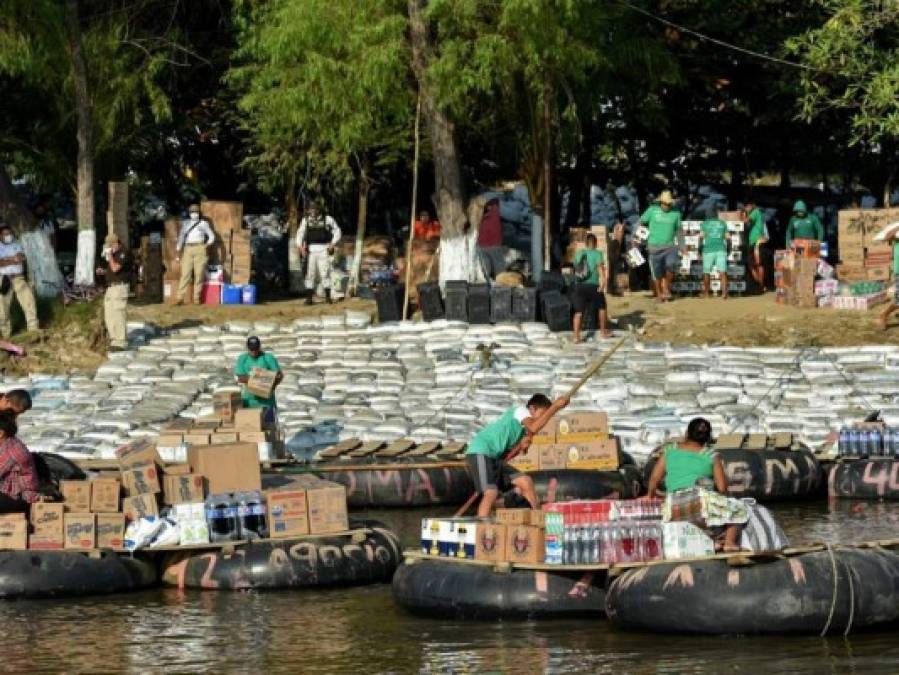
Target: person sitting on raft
x=690 y=465
x=19 y=484
x=16 y=402
x=501 y=440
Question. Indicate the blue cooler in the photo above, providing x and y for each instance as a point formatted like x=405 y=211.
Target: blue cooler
x=248 y=294
x=231 y=294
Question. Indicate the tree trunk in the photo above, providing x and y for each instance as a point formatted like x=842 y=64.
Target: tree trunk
x=458 y=237
x=547 y=177
x=294 y=262
x=84 y=267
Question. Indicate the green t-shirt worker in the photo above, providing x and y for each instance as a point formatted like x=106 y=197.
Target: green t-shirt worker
x=714 y=251
x=589 y=292
x=664 y=223
x=754 y=221
x=256 y=358
x=502 y=440
x=804 y=225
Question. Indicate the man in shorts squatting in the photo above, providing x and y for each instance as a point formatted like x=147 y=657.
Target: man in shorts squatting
x=502 y=440
x=714 y=251
x=664 y=223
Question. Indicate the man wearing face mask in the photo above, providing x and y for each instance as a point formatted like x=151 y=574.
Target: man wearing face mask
x=117 y=269
x=316 y=238
x=193 y=241
x=13 y=280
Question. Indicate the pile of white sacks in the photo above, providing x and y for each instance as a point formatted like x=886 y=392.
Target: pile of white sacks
x=345 y=378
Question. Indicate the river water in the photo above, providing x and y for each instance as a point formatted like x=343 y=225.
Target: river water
x=361 y=630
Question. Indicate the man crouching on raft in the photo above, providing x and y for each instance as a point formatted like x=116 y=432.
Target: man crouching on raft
x=500 y=441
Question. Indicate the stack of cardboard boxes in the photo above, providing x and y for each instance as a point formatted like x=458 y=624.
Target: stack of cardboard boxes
x=117 y=212
x=89 y=508
x=690 y=277
x=306 y=505
x=577 y=440
x=513 y=535
x=794 y=274
x=861 y=257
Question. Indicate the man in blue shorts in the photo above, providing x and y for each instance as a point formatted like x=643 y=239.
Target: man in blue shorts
x=664 y=223
x=502 y=440
x=714 y=251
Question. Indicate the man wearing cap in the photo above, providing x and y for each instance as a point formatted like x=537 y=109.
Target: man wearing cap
x=316 y=238
x=664 y=224
x=116 y=267
x=193 y=242
x=12 y=267
x=256 y=358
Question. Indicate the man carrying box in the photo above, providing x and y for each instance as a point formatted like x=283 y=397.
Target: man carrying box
x=501 y=440
x=256 y=358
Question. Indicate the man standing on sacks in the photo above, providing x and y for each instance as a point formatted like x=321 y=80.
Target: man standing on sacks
x=317 y=237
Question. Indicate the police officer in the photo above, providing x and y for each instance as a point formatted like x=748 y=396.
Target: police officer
x=316 y=238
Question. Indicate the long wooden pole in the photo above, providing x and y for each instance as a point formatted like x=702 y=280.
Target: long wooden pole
x=414 y=206
x=594 y=368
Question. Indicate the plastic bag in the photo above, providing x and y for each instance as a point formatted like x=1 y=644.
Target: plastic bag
x=141 y=532
x=169 y=534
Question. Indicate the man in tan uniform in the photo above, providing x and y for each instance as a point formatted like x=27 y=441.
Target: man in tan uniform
x=117 y=270
x=12 y=266
x=193 y=242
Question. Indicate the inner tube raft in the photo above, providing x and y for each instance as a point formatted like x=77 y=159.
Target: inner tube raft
x=765 y=475
x=343 y=560
x=875 y=478
x=562 y=485
x=435 y=588
x=66 y=574
x=390 y=485
x=812 y=593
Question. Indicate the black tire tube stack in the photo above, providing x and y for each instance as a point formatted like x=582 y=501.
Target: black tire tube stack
x=435 y=588
x=61 y=574
x=561 y=485
x=875 y=478
x=792 y=595
x=765 y=475
x=400 y=487
x=290 y=563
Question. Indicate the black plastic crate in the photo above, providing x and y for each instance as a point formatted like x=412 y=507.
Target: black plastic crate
x=556 y=311
x=524 y=303
x=390 y=302
x=501 y=304
x=478 y=303
x=551 y=281
x=430 y=301
x=455 y=302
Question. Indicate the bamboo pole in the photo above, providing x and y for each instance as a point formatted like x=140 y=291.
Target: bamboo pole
x=592 y=370
x=414 y=206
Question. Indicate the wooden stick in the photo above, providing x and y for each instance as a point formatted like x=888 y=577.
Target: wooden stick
x=594 y=368
x=467 y=505
x=414 y=208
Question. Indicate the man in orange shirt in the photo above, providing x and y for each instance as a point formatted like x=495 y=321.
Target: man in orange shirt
x=425 y=228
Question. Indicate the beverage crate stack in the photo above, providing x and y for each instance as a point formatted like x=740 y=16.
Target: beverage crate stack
x=868 y=439
x=689 y=278
x=862 y=258
x=577 y=440
x=149 y=257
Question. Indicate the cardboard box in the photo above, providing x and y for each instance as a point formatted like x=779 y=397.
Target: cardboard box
x=878 y=273
x=76 y=495
x=552 y=457
x=183 y=488
x=261 y=382
x=169 y=440
x=140 y=506
x=600 y=455
x=582 y=426
x=140 y=479
x=227 y=467
x=138 y=452
x=528 y=460
x=547 y=435
x=524 y=544
x=287 y=513
x=250 y=419
x=47 y=542
x=80 y=530
x=176 y=469
x=519 y=517
x=194 y=531
x=47 y=519
x=256 y=436
x=326 y=504
x=196 y=438
x=224 y=437
x=204 y=425
x=225 y=404
x=179 y=425
x=105 y=493
x=490 y=542
x=110 y=530
x=14 y=532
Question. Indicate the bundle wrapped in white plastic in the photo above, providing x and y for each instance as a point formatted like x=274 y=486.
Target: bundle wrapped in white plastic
x=169 y=534
x=142 y=531
x=43 y=270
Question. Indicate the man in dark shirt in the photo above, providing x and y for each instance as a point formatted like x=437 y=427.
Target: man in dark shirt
x=117 y=269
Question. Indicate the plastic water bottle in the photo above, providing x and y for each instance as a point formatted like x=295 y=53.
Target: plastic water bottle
x=863 y=443
x=251 y=513
x=843 y=445
x=876 y=443
x=596 y=540
x=853 y=443
x=568 y=543
x=586 y=554
x=221 y=518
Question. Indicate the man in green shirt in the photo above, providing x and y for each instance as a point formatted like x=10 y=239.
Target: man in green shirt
x=664 y=224
x=754 y=221
x=885 y=314
x=256 y=358
x=501 y=440
x=589 y=293
x=714 y=251
x=804 y=225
